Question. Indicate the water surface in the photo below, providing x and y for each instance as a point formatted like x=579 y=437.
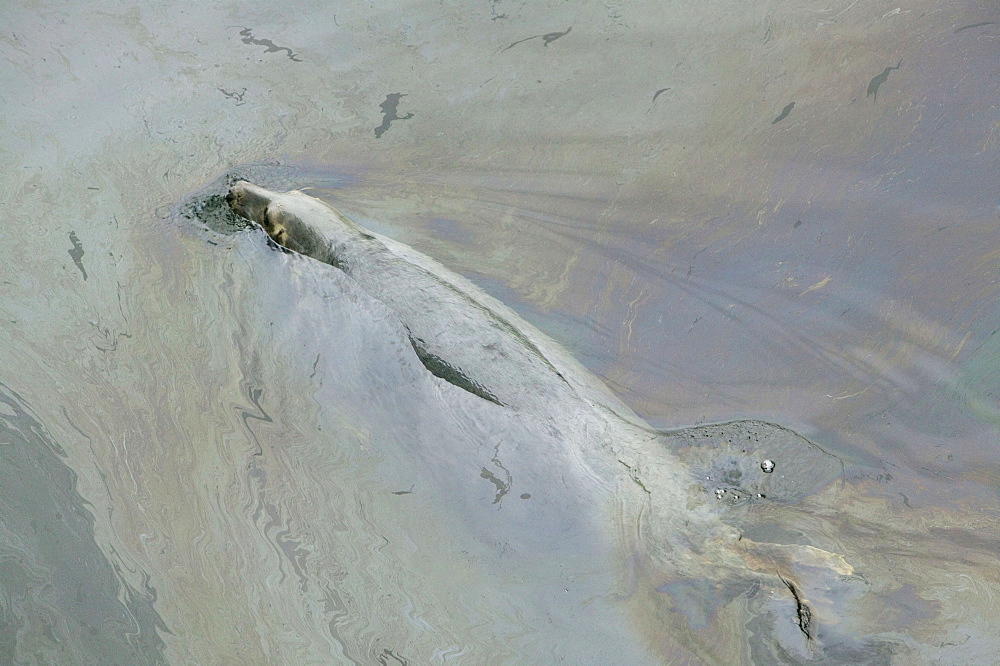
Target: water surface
x=216 y=452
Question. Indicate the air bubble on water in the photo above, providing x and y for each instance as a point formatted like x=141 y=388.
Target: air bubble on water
x=767 y=466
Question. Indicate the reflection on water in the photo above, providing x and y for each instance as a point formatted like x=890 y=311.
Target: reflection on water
x=217 y=452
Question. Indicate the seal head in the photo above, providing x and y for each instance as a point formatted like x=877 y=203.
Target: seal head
x=254 y=203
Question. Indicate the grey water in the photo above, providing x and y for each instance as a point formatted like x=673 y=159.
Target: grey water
x=216 y=452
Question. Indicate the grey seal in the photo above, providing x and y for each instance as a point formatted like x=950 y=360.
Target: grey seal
x=689 y=563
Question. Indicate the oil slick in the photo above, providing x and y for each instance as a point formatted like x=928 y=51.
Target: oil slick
x=76 y=253
x=784 y=113
x=878 y=80
x=247 y=37
x=390 y=113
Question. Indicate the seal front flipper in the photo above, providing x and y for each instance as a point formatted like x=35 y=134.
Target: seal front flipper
x=442 y=370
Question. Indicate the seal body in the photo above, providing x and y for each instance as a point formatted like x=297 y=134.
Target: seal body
x=459 y=333
x=476 y=343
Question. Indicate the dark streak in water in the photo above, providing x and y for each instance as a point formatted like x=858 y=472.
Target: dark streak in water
x=110 y=338
x=389 y=114
x=658 y=93
x=238 y=96
x=877 y=82
x=547 y=38
x=784 y=113
x=974 y=25
x=248 y=38
x=76 y=253
x=801 y=610
x=502 y=487
x=493 y=11
x=254 y=394
x=553 y=36
x=387 y=654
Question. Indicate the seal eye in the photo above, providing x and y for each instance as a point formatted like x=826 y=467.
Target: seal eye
x=265 y=221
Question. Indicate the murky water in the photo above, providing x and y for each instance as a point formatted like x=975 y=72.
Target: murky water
x=214 y=452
